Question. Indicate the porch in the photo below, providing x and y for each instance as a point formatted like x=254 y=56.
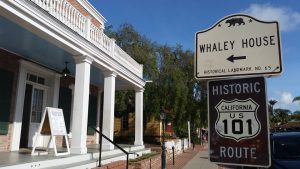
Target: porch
x=23 y=159
x=37 y=38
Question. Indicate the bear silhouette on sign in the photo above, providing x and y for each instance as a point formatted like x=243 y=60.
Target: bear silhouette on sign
x=234 y=21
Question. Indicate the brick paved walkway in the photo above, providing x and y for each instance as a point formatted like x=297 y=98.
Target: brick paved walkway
x=182 y=159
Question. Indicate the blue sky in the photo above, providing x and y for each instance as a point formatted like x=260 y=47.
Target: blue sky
x=176 y=21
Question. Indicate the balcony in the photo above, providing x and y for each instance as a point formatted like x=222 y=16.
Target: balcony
x=67 y=14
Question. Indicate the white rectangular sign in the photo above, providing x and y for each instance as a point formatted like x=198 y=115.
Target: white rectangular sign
x=238 y=45
x=57 y=122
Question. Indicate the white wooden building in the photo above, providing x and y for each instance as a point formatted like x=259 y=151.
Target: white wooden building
x=37 y=37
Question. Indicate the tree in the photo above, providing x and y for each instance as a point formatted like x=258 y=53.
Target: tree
x=296 y=116
x=143 y=51
x=282 y=115
x=271 y=106
x=172 y=71
x=296 y=99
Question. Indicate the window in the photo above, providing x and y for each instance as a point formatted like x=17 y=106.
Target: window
x=37 y=105
x=35 y=79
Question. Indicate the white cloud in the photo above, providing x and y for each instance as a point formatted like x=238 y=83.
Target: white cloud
x=285 y=101
x=288 y=19
x=286 y=98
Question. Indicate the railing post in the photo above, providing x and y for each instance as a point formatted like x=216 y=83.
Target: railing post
x=100 y=141
x=183 y=145
x=173 y=155
x=113 y=43
x=127 y=161
x=163 y=147
x=88 y=28
x=100 y=149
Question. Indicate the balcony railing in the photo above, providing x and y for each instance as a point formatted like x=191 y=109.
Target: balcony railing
x=74 y=19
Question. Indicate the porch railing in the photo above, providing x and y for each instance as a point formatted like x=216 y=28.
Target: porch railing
x=65 y=12
x=112 y=142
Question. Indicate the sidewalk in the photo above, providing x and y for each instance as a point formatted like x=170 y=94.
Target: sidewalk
x=200 y=161
x=192 y=159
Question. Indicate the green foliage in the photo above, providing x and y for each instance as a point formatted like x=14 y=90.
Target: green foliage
x=172 y=71
x=296 y=116
x=282 y=115
x=296 y=99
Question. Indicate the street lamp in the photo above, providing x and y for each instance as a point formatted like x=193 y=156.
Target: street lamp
x=163 y=147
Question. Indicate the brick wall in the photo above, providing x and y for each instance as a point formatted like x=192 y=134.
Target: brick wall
x=91 y=139
x=115 y=165
x=153 y=163
x=9 y=62
x=85 y=12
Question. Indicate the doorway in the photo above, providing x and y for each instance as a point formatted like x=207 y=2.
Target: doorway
x=34 y=104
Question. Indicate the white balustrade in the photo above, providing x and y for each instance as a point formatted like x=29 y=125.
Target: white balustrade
x=98 y=37
x=65 y=12
x=131 y=62
x=74 y=19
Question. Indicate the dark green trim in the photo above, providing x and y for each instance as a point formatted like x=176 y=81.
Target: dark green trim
x=6 y=84
x=65 y=102
x=92 y=117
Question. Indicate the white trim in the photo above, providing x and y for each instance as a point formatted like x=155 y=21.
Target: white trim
x=90 y=8
x=83 y=58
x=99 y=101
x=48 y=28
x=24 y=68
x=72 y=87
x=56 y=85
x=33 y=126
x=37 y=70
x=18 y=114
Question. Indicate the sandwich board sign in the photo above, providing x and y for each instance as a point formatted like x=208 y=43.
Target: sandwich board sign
x=52 y=124
x=238 y=122
x=238 y=45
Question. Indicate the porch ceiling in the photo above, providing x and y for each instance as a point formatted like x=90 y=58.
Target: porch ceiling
x=28 y=45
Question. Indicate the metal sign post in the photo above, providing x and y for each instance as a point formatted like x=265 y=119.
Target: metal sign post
x=238 y=45
x=238 y=122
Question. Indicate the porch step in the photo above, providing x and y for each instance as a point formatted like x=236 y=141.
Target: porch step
x=85 y=161
x=79 y=165
x=105 y=160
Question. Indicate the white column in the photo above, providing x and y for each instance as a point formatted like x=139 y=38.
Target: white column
x=108 y=109
x=80 y=106
x=17 y=123
x=139 y=117
x=98 y=114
